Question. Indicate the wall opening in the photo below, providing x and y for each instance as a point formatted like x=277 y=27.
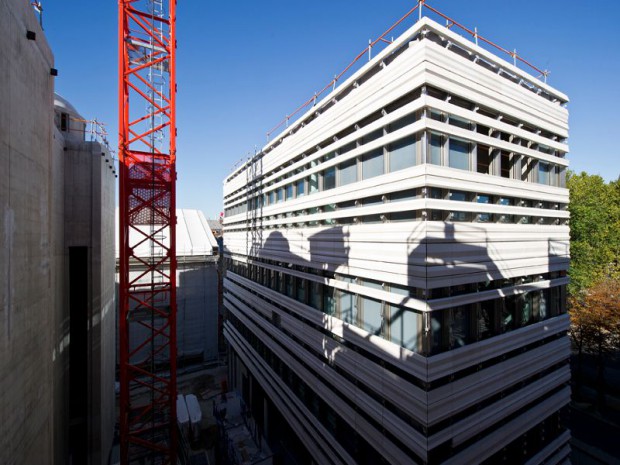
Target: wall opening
x=78 y=354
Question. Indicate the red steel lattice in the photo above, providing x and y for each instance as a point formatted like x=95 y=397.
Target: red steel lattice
x=147 y=218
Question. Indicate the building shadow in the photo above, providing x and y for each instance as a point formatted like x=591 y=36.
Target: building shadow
x=463 y=279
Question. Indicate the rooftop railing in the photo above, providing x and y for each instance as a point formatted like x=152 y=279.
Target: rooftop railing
x=382 y=40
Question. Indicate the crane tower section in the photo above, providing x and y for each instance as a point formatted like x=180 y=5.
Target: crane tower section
x=147 y=306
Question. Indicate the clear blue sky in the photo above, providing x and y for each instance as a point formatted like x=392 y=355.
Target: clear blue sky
x=243 y=65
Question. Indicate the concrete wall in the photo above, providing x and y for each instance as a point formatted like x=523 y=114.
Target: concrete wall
x=89 y=222
x=52 y=196
x=29 y=229
x=61 y=323
x=197 y=312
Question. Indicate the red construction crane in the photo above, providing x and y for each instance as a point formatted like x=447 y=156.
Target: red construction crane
x=147 y=218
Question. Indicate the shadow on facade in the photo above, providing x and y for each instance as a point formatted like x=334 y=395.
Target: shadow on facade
x=444 y=263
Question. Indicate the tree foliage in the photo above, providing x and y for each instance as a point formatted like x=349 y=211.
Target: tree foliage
x=595 y=230
x=595 y=328
x=594 y=302
x=595 y=318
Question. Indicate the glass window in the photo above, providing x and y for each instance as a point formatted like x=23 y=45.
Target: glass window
x=459 y=196
x=436 y=115
x=508 y=316
x=290 y=284
x=348 y=172
x=280 y=194
x=404 y=327
x=543 y=172
x=483 y=217
x=329 y=178
x=301 y=290
x=506 y=219
x=289 y=192
x=436 y=193
x=300 y=187
x=540 y=307
x=374 y=200
x=459 y=122
x=562 y=176
x=486 y=319
x=372 y=315
x=348 y=307
x=329 y=208
x=346 y=148
x=483 y=159
x=372 y=164
x=374 y=135
x=460 y=216
x=546 y=149
x=401 y=123
x=555 y=175
x=402 y=154
x=347 y=205
x=553 y=301
x=459 y=154
x=313 y=179
x=410 y=194
x=329 y=301
x=459 y=326
x=329 y=156
x=316 y=295
x=404 y=216
x=275 y=280
x=505 y=165
x=436 y=142
x=527 y=310
x=436 y=332
x=281 y=282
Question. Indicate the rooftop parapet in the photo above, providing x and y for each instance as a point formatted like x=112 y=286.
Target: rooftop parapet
x=424 y=28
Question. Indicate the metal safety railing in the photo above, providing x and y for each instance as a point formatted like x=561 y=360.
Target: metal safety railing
x=420 y=5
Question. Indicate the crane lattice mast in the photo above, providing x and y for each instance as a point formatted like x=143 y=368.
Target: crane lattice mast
x=147 y=218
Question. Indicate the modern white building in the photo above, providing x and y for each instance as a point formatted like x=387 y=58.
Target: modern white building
x=396 y=265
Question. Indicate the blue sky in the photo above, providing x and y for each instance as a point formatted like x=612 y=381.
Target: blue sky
x=242 y=66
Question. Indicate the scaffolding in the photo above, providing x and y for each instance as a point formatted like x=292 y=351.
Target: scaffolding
x=147 y=298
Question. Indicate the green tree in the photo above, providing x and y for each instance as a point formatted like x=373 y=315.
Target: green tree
x=595 y=230
x=595 y=328
x=594 y=303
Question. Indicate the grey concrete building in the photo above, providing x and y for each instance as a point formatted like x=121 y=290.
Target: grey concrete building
x=197 y=289
x=396 y=265
x=56 y=263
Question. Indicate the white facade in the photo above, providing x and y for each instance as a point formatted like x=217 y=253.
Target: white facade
x=397 y=265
